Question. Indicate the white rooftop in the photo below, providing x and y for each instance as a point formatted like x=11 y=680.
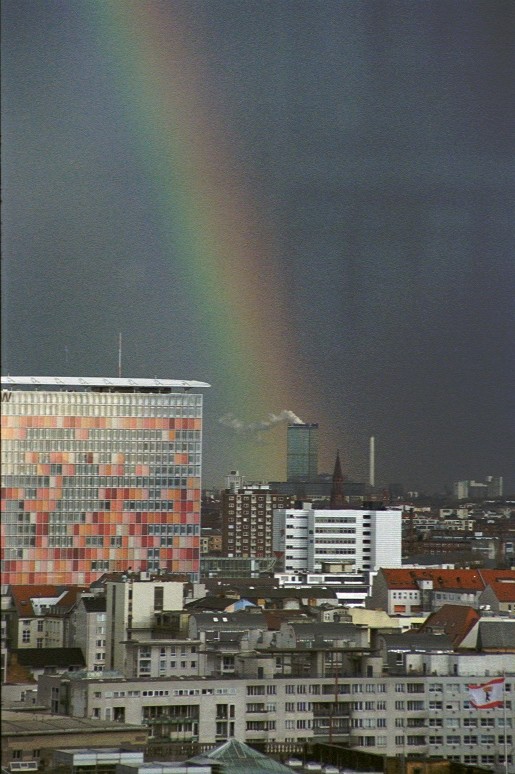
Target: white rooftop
x=98 y=381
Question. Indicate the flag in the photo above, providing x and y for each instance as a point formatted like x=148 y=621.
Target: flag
x=487 y=695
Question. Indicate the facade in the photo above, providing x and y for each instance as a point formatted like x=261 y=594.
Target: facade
x=426 y=712
x=302 y=452
x=132 y=605
x=402 y=591
x=87 y=630
x=29 y=739
x=99 y=475
x=247 y=521
x=364 y=539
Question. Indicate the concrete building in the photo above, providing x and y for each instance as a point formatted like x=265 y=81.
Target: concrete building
x=132 y=604
x=99 y=475
x=302 y=452
x=87 y=628
x=30 y=739
x=247 y=517
x=366 y=539
x=423 y=710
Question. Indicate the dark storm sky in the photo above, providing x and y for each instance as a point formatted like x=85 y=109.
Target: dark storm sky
x=377 y=138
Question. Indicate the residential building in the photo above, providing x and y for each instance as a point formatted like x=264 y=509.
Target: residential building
x=247 y=517
x=302 y=452
x=422 y=709
x=403 y=591
x=35 y=615
x=99 y=475
x=132 y=604
x=306 y=538
x=87 y=629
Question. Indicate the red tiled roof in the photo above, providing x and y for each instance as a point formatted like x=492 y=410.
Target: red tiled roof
x=504 y=591
x=455 y=620
x=22 y=596
x=404 y=578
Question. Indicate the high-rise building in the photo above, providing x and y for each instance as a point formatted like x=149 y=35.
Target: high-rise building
x=247 y=521
x=302 y=452
x=307 y=538
x=99 y=475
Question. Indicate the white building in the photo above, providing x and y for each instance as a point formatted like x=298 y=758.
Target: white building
x=132 y=604
x=426 y=712
x=309 y=538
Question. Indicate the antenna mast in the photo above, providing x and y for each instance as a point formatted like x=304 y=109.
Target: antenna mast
x=119 y=355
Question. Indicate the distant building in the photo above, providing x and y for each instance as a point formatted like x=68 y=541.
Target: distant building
x=302 y=452
x=99 y=475
x=366 y=539
x=247 y=521
x=492 y=486
x=234 y=481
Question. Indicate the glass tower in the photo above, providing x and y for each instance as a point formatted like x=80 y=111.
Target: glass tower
x=99 y=476
x=302 y=452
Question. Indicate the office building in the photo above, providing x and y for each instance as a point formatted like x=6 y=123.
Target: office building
x=247 y=521
x=363 y=539
x=99 y=475
x=302 y=452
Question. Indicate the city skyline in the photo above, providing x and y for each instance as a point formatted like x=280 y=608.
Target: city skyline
x=305 y=205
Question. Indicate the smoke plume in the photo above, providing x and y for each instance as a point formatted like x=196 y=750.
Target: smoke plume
x=229 y=420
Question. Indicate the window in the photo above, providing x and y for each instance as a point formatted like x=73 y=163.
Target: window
x=158 y=598
x=256 y=690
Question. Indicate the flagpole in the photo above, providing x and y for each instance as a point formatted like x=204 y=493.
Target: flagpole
x=505 y=724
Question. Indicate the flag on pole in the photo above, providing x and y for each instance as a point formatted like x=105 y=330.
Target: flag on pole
x=487 y=695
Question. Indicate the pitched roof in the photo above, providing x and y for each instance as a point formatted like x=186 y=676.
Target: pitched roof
x=501 y=582
x=235 y=757
x=466 y=580
x=496 y=635
x=455 y=620
x=23 y=596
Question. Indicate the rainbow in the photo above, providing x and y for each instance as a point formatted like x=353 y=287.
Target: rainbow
x=209 y=225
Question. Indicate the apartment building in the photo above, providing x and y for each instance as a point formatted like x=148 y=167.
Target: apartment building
x=132 y=602
x=410 y=591
x=426 y=712
x=87 y=628
x=247 y=521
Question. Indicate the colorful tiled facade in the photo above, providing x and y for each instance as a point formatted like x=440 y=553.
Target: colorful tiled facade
x=99 y=476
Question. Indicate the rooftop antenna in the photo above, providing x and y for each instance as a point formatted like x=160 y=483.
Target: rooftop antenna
x=119 y=355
